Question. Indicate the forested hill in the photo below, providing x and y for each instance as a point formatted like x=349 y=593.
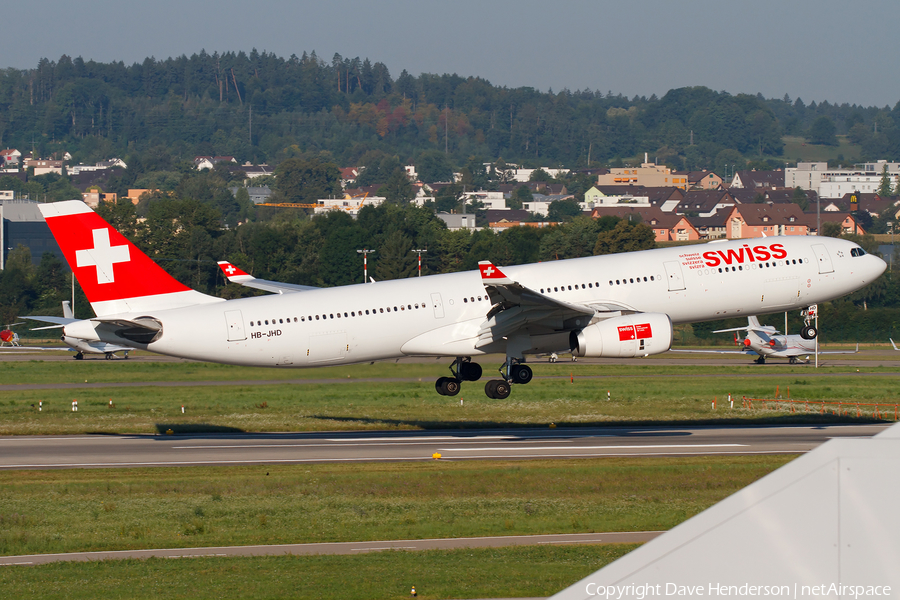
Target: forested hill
x=261 y=107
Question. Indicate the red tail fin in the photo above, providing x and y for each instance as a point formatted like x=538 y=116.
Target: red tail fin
x=115 y=275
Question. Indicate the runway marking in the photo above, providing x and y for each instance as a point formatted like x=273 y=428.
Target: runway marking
x=659 y=447
x=385 y=548
x=355 y=445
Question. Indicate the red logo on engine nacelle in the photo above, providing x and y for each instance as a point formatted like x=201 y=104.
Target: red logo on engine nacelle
x=635 y=332
x=714 y=258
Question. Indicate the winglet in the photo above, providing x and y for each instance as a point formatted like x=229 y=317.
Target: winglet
x=491 y=275
x=234 y=274
x=894 y=345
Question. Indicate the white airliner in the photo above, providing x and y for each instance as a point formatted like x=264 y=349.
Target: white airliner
x=767 y=342
x=620 y=305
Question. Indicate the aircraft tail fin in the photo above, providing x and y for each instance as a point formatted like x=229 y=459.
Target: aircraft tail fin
x=67 y=310
x=115 y=275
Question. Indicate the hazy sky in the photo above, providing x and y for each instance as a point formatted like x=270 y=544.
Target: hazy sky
x=816 y=50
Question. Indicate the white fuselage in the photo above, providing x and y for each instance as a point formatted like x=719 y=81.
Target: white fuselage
x=440 y=315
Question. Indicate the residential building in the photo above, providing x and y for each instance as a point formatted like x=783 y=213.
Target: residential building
x=93 y=198
x=42 y=167
x=873 y=204
x=456 y=222
x=208 y=162
x=10 y=158
x=705 y=203
x=596 y=197
x=666 y=227
x=258 y=195
x=647 y=175
x=490 y=200
x=758 y=220
x=758 y=179
x=848 y=222
x=701 y=180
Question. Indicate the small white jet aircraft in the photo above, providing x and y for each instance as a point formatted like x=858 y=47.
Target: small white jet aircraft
x=80 y=346
x=766 y=342
x=620 y=305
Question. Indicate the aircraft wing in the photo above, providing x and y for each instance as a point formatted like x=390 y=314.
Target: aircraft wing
x=235 y=275
x=520 y=310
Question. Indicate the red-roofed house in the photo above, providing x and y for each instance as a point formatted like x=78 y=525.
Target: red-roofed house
x=757 y=220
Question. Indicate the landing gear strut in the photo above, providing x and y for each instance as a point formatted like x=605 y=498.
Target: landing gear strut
x=463 y=369
x=512 y=371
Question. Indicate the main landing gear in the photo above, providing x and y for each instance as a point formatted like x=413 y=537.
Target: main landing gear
x=463 y=369
x=512 y=371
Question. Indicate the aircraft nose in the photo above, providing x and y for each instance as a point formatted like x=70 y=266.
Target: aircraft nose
x=878 y=266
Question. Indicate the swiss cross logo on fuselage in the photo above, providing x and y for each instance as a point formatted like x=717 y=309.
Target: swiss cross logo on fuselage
x=102 y=256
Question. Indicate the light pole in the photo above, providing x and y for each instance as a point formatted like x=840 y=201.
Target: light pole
x=419 y=253
x=891 y=225
x=365 y=252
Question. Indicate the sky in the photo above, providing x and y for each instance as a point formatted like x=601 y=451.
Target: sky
x=818 y=50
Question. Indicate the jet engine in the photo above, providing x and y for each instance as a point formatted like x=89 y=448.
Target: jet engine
x=627 y=336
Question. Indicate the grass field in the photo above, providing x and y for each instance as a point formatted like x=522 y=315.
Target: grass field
x=65 y=511
x=797 y=149
x=120 y=509
x=402 y=396
x=476 y=573
x=70 y=510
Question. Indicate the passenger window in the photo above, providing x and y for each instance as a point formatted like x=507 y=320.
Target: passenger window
x=381 y=310
x=466 y=300
x=317 y=317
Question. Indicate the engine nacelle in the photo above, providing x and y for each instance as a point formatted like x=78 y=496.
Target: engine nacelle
x=627 y=336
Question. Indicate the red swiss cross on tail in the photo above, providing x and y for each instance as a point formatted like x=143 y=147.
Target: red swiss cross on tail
x=491 y=275
x=115 y=275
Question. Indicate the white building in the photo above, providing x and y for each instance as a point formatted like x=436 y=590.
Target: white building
x=594 y=197
x=347 y=204
x=524 y=175
x=834 y=183
x=490 y=200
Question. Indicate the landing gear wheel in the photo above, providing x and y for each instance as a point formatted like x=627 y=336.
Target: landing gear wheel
x=809 y=332
x=497 y=389
x=109 y=356
x=79 y=356
x=792 y=360
x=469 y=371
x=761 y=360
x=521 y=374
x=447 y=386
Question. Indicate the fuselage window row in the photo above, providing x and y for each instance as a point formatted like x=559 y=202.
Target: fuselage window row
x=325 y=317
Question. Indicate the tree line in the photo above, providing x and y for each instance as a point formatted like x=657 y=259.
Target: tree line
x=258 y=107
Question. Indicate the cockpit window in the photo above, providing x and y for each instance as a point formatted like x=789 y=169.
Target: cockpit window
x=857 y=252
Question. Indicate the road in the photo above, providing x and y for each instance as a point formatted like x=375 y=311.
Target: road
x=124 y=451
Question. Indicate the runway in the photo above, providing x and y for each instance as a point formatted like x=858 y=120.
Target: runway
x=133 y=451
x=501 y=541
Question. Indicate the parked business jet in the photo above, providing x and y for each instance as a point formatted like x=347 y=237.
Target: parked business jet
x=767 y=342
x=620 y=305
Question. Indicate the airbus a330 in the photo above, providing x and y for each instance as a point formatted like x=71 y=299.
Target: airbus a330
x=619 y=305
